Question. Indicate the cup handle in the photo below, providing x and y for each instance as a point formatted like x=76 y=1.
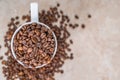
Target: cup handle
x=34 y=12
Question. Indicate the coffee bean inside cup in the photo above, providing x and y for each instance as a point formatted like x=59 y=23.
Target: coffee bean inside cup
x=34 y=45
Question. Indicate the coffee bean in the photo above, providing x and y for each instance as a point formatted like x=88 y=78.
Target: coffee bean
x=70 y=25
x=71 y=56
x=34 y=40
x=4 y=62
x=89 y=16
x=20 y=48
x=76 y=17
x=58 y=4
x=68 y=49
x=0 y=46
x=76 y=25
x=20 y=73
x=1 y=57
x=43 y=35
x=51 y=49
x=61 y=11
x=16 y=17
x=45 y=44
x=37 y=32
x=16 y=23
x=71 y=41
x=38 y=45
x=12 y=19
x=29 y=50
x=24 y=17
x=83 y=26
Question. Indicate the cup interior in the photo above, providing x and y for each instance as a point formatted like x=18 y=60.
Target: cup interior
x=12 y=41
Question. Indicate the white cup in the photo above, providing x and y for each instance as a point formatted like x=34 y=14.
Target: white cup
x=34 y=19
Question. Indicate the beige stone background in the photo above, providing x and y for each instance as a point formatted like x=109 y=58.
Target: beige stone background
x=96 y=48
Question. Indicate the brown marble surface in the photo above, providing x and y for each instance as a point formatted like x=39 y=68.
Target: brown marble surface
x=96 y=48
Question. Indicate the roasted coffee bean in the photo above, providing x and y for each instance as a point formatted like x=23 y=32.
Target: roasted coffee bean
x=20 y=73
x=83 y=26
x=43 y=35
x=17 y=17
x=16 y=23
x=4 y=62
x=34 y=40
x=12 y=19
x=70 y=25
x=24 y=17
x=76 y=25
x=0 y=46
x=29 y=49
x=20 y=48
x=61 y=11
x=71 y=41
x=58 y=4
x=1 y=57
x=89 y=16
x=76 y=17
x=71 y=56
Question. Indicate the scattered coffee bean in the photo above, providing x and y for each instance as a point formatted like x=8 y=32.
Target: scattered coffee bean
x=70 y=25
x=71 y=41
x=0 y=46
x=16 y=23
x=76 y=17
x=12 y=19
x=76 y=25
x=4 y=62
x=89 y=16
x=68 y=49
x=16 y=17
x=24 y=17
x=61 y=11
x=62 y=71
x=1 y=57
x=83 y=26
x=71 y=56
x=58 y=4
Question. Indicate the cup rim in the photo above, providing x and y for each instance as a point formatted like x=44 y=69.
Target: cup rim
x=12 y=40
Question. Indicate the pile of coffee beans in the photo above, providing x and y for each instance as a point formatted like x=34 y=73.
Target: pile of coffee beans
x=34 y=45
x=12 y=70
